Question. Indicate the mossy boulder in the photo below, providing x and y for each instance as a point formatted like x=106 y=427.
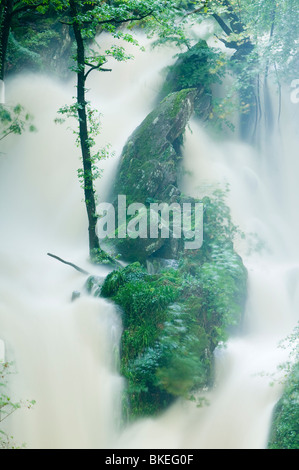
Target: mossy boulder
x=163 y=346
x=175 y=318
x=173 y=321
x=149 y=166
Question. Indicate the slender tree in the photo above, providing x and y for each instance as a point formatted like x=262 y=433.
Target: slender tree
x=86 y=19
x=89 y=191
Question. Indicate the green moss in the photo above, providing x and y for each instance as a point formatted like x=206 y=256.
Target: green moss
x=285 y=427
x=172 y=324
x=183 y=341
x=151 y=145
x=144 y=300
x=117 y=279
x=178 y=99
x=101 y=257
x=175 y=319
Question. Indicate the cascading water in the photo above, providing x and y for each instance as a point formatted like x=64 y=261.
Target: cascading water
x=238 y=411
x=65 y=351
x=62 y=351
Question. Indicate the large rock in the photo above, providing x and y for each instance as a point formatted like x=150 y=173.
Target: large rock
x=149 y=161
x=149 y=165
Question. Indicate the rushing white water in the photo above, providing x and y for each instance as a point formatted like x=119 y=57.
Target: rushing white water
x=65 y=352
x=239 y=409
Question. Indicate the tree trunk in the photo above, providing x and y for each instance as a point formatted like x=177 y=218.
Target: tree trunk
x=6 y=14
x=89 y=192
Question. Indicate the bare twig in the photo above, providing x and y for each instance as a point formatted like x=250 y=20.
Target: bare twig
x=69 y=264
x=95 y=67
x=133 y=18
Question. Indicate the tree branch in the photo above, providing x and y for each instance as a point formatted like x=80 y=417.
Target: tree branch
x=134 y=18
x=223 y=25
x=7 y=415
x=67 y=23
x=235 y=22
x=6 y=134
x=197 y=10
x=228 y=44
x=95 y=67
x=69 y=264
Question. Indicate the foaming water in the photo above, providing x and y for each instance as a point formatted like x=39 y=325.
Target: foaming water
x=237 y=412
x=66 y=353
x=233 y=416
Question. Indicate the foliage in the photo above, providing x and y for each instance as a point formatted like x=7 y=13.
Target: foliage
x=85 y=20
x=12 y=14
x=199 y=66
x=14 y=120
x=269 y=29
x=261 y=39
x=173 y=320
x=291 y=343
x=285 y=430
x=19 y=56
x=270 y=26
x=219 y=231
x=94 y=129
x=39 y=42
x=7 y=406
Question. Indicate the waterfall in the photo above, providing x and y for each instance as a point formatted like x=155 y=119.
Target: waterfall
x=62 y=351
x=65 y=352
x=237 y=413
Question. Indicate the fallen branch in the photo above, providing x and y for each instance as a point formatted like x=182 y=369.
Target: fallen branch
x=69 y=264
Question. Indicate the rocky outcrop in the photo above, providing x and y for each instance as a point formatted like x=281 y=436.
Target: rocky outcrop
x=149 y=166
x=149 y=161
x=177 y=311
